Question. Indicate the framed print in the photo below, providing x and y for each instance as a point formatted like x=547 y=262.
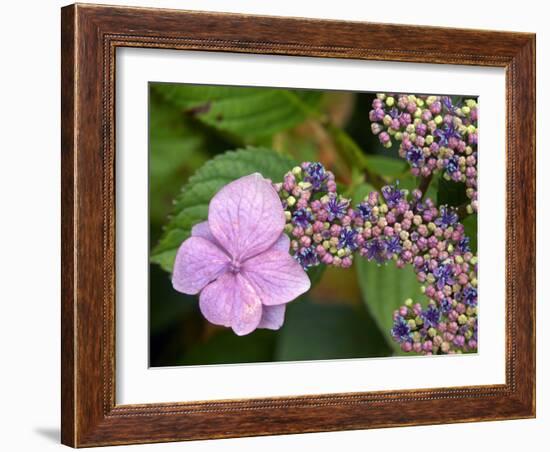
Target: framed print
x=281 y=225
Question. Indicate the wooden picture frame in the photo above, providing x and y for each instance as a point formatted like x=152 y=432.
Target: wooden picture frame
x=90 y=36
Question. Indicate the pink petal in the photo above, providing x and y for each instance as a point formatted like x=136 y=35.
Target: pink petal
x=231 y=301
x=273 y=317
x=276 y=277
x=203 y=230
x=246 y=216
x=282 y=243
x=198 y=262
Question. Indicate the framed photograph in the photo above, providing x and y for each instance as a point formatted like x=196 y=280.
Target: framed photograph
x=282 y=225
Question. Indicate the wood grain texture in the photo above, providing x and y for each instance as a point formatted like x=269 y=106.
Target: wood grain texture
x=90 y=36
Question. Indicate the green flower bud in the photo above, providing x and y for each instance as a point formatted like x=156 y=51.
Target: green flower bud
x=291 y=200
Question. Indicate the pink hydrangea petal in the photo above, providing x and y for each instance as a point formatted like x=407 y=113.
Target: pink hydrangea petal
x=246 y=216
x=231 y=301
x=276 y=277
x=198 y=262
x=273 y=317
x=203 y=230
x=282 y=243
x=214 y=303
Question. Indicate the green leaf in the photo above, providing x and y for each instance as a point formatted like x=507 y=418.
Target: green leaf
x=328 y=331
x=387 y=167
x=451 y=193
x=248 y=114
x=470 y=230
x=384 y=289
x=361 y=192
x=191 y=206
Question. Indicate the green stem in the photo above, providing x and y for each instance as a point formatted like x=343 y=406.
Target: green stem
x=424 y=184
x=352 y=154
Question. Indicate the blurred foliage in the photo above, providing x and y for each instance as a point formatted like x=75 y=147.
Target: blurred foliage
x=470 y=228
x=193 y=133
x=451 y=193
x=225 y=347
x=328 y=331
x=244 y=115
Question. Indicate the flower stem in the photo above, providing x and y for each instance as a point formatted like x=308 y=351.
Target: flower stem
x=424 y=184
x=352 y=154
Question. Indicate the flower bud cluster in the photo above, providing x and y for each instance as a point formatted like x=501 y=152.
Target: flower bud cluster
x=319 y=222
x=434 y=136
x=390 y=226
x=432 y=240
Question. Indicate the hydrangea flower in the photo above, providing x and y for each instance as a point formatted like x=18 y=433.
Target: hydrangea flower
x=239 y=261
